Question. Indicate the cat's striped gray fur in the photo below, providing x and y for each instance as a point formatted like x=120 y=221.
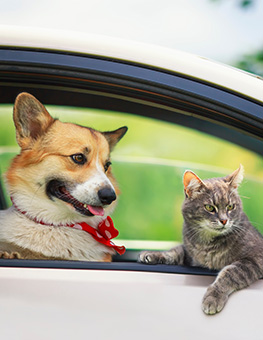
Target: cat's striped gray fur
x=217 y=235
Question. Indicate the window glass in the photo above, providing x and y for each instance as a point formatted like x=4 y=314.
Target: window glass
x=149 y=163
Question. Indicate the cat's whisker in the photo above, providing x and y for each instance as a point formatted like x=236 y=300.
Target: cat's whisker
x=256 y=224
x=192 y=233
x=248 y=198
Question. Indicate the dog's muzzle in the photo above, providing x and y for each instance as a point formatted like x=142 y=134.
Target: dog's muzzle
x=58 y=189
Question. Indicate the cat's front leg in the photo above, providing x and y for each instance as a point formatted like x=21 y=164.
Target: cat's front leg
x=214 y=300
x=231 y=278
x=174 y=256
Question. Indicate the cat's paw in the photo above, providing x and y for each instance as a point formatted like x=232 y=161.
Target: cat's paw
x=12 y=255
x=149 y=257
x=213 y=301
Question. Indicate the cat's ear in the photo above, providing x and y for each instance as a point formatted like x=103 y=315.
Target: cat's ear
x=235 y=178
x=193 y=185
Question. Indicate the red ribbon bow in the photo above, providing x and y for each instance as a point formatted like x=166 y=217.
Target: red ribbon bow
x=103 y=234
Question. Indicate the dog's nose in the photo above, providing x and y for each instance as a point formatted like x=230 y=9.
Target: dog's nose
x=106 y=195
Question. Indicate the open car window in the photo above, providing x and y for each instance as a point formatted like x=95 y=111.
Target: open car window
x=149 y=164
x=178 y=119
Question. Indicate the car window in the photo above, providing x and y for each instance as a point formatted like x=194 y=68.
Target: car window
x=149 y=163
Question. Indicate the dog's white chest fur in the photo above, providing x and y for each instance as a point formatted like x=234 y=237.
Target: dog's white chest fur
x=51 y=242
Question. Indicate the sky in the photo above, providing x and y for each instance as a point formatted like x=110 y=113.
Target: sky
x=219 y=30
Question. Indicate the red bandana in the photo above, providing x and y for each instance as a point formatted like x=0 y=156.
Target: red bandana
x=104 y=234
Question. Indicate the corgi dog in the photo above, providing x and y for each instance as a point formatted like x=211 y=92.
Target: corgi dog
x=61 y=187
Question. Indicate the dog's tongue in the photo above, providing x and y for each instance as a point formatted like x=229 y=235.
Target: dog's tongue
x=96 y=210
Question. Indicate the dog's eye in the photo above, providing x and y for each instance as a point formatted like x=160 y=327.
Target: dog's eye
x=107 y=165
x=79 y=158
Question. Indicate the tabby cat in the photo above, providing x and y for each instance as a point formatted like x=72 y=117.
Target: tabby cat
x=217 y=235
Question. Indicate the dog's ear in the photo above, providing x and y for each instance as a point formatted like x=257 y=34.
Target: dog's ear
x=114 y=136
x=31 y=119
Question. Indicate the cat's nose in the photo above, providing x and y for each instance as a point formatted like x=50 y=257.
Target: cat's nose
x=224 y=222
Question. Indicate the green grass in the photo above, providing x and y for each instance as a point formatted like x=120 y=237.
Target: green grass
x=149 y=163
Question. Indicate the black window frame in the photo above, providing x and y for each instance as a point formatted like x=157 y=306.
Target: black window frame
x=68 y=79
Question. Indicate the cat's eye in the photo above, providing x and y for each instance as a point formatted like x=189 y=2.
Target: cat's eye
x=107 y=165
x=230 y=206
x=210 y=208
x=79 y=158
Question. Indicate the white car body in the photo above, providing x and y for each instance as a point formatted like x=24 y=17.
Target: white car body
x=44 y=303
x=90 y=304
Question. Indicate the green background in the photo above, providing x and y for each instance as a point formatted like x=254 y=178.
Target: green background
x=149 y=163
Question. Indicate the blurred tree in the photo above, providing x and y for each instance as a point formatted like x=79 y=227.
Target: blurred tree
x=252 y=62
x=241 y=3
x=246 y=3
